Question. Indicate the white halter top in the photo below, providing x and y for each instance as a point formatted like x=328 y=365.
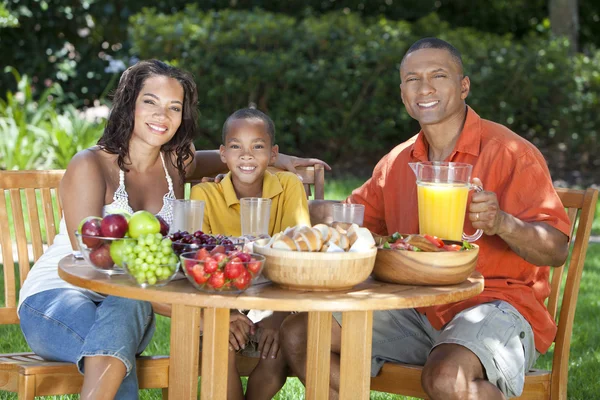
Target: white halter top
x=121 y=199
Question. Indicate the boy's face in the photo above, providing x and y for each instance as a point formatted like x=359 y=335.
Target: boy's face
x=248 y=151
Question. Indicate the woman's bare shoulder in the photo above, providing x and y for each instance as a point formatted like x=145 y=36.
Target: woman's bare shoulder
x=92 y=162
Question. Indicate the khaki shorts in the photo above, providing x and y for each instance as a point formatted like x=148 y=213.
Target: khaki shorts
x=495 y=332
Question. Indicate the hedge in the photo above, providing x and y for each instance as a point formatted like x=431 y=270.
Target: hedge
x=330 y=82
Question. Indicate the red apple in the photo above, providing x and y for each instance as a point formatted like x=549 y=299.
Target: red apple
x=114 y=225
x=90 y=226
x=164 y=227
x=100 y=257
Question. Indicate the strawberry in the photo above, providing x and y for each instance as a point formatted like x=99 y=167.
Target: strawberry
x=210 y=265
x=254 y=267
x=242 y=281
x=217 y=280
x=218 y=257
x=233 y=268
x=202 y=254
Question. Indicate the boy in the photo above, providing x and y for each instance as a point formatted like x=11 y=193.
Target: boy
x=248 y=149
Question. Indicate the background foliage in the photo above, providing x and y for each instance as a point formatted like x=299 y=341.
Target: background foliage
x=331 y=81
x=325 y=70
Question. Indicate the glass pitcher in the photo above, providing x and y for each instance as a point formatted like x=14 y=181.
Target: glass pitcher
x=442 y=190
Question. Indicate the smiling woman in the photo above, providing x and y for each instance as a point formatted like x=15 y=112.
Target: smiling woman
x=140 y=163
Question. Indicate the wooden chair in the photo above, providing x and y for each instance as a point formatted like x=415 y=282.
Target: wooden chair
x=26 y=373
x=313 y=177
x=539 y=384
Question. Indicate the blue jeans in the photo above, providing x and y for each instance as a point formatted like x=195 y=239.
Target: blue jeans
x=65 y=325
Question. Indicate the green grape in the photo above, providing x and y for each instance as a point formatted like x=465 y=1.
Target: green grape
x=138 y=261
x=158 y=236
x=153 y=247
x=137 y=248
x=166 y=242
x=159 y=271
x=152 y=280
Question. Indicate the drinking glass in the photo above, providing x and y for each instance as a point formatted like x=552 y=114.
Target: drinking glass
x=255 y=213
x=188 y=215
x=348 y=213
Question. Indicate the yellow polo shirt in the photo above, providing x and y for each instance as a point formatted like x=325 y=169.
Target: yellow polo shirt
x=289 y=206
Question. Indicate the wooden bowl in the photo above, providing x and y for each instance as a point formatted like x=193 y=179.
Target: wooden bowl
x=425 y=268
x=316 y=271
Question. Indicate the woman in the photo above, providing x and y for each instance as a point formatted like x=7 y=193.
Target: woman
x=140 y=163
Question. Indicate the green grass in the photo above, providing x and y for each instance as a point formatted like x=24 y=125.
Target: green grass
x=584 y=364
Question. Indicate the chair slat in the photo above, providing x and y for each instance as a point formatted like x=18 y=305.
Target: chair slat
x=7 y=256
x=19 y=224
x=319 y=180
x=560 y=361
x=34 y=224
x=49 y=220
x=58 y=204
x=557 y=272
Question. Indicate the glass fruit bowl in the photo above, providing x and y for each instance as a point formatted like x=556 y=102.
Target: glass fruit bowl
x=147 y=275
x=221 y=272
x=105 y=254
x=184 y=242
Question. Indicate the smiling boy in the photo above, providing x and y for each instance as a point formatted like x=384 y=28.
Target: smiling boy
x=248 y=149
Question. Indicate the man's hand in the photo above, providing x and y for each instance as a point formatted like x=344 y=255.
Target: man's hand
x=484 y=211
x=537 y=242
x=268 y=344
x=289 y=163
x=240 y=329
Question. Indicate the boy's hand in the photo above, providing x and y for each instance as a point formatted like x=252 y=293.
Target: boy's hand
x=216 y=179
x=268 y=344
x=240 y=329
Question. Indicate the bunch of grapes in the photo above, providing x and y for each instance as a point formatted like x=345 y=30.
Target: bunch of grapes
x=184 y=241
x=151 y=259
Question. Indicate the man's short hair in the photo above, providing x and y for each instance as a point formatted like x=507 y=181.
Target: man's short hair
x=435 y=43
x=250 y=114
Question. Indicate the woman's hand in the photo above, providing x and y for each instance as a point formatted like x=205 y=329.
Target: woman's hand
x=268 y=344
x=289 y=163
x=240 y=329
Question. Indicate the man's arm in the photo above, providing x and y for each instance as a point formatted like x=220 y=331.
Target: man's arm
x=536 y=242
x=209 y=163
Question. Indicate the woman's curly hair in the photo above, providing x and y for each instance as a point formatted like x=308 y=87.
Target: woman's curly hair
x=121 y=120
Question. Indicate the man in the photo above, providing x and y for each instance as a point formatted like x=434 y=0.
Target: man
x=481 y=347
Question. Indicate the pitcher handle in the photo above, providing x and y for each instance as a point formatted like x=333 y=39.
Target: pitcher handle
x=479 y=232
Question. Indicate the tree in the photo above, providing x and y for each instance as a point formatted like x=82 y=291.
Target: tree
x=564 y=20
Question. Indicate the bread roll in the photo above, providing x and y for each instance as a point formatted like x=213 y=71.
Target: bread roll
x=324 y=230
x=308 y=239
x=344 y=242
x=285 y=243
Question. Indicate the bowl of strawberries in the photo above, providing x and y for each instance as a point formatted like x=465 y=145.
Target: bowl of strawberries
x=220 y=270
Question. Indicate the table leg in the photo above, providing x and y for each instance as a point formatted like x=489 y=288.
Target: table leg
x=355 y=361
x=318 y=355
x=185 y=347
x=215 y=353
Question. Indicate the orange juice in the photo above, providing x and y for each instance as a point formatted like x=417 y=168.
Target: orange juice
x=442 y=208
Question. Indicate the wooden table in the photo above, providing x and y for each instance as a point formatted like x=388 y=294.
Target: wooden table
x=357 y=306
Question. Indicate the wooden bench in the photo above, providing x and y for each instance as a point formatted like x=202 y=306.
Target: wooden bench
x=26 y=373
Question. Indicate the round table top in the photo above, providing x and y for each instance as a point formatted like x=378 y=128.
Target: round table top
x=369 y=295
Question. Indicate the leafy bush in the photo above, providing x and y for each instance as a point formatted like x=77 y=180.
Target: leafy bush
x=331 y=82
x=34 y=135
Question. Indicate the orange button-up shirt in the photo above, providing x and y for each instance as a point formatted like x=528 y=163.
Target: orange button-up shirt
x=516 y=171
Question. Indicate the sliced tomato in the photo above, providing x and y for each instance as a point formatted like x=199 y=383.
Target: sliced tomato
x=435 y=240
x=452 y=247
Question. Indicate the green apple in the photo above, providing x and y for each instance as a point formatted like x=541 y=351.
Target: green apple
x=142 y=223
x=117 y=249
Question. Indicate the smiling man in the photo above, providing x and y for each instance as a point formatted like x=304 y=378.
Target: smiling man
x=482 y=347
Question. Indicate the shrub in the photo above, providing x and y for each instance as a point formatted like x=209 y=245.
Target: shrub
x=331 y=82
x=34 y=135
